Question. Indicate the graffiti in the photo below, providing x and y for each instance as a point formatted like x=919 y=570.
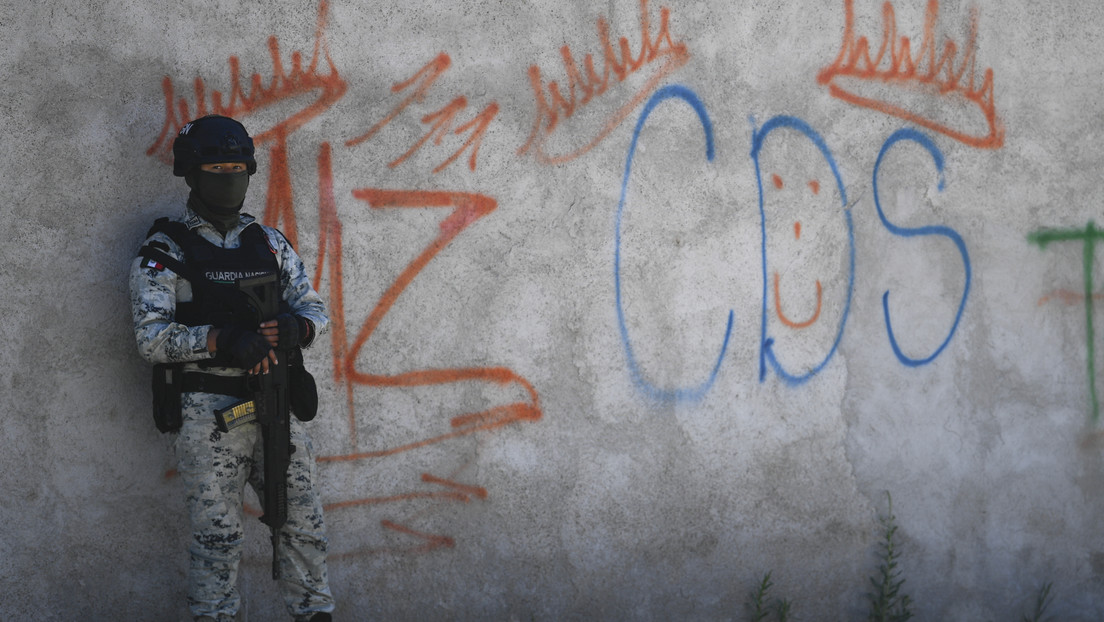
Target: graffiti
x=895 y=66
x=906 y=232
x=1068 y=297
x=778 y=303
x=1088 y=238
x=315 y=86
x=781 y=128
x=454 y=491
x=814 y=186
x=584 y=85
x=427 y=76
x=638 y=377
x=321 y=79
x=768 y=355
x=466 y=209
x=282 y=86
x=440 y=121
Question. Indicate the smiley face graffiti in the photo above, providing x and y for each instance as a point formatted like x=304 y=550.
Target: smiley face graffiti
x=821 y=231
x=814 y=187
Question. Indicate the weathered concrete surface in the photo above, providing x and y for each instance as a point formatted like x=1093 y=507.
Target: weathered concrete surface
x=540 y=410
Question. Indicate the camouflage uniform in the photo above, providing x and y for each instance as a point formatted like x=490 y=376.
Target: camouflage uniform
x=215 y=466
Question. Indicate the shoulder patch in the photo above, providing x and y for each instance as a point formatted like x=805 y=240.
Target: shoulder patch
x=268 y=233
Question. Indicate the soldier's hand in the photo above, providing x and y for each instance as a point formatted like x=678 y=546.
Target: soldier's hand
x=285 y=332
x=271 y=332
x=245 y=348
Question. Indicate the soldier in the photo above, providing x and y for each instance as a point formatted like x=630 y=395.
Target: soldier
x=186 y=326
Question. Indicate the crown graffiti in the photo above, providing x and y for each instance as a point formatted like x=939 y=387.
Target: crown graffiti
x=320 y=76
x=899 y=83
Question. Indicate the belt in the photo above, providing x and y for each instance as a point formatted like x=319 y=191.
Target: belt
x=198 y=382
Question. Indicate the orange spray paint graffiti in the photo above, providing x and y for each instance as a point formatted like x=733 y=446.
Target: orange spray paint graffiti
x=466 y=209
x=427 y=76
x=814 y=187
x=796 y=323
x=895 y=66
x=440 y=120
x=319 y=82
x=583 y=85
x=283 y=86
x=321 y=78
x=1068 y=297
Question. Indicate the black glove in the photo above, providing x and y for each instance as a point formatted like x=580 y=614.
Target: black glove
x=242 y=348
x=292 y=330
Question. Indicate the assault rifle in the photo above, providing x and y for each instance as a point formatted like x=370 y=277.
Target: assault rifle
x=270 y=398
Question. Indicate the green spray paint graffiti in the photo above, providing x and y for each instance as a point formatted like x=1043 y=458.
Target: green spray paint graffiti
x=1089 y=235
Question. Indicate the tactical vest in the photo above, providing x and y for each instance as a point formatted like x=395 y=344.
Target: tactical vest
x=217 y=300
x=213 y=271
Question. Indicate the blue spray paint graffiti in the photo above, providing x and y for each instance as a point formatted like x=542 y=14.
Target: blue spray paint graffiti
x=937 y=158
x=638 y=378
x=766 y=353
x=767 y=357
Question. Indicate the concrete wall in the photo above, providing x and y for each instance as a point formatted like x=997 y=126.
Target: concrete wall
x=601 y=349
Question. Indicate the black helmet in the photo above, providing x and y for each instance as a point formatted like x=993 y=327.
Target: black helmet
x=211 y=139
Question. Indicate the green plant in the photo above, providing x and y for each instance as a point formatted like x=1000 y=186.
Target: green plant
x=761 y=605
x=887 y=603
x=782 y=608
x=759 y=599
x=1042 y=601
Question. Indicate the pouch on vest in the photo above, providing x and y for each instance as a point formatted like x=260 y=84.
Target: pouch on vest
x=302 y=392
x=167 y=379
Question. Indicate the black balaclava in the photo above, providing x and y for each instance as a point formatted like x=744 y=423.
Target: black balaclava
x=218 y=197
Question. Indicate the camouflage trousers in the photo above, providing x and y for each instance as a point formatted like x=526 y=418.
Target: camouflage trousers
x=215 y=467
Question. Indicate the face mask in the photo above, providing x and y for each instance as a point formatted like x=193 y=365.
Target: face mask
x=222 y=192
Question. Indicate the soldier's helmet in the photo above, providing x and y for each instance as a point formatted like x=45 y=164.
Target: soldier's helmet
x=211 y=139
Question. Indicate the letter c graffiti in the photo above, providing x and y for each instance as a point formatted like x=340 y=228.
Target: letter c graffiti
x=677 y=394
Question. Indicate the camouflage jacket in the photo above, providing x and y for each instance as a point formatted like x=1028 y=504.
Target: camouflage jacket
x=155 y=290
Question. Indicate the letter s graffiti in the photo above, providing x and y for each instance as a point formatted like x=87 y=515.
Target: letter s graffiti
x=907 y=232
